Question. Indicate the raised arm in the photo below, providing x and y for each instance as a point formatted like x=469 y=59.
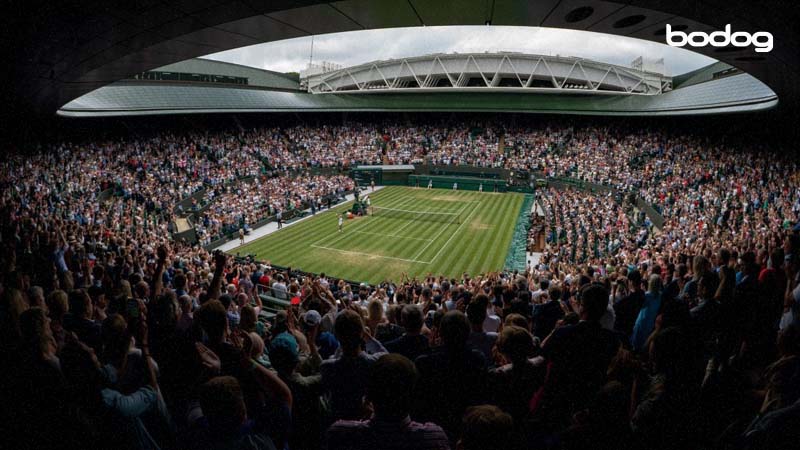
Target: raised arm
x=220 y=260
x=158 y=283
x=268 y=381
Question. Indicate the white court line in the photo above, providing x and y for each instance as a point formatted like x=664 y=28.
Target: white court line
x=442 y=231
x=410 y=221
x=454 y=233
x=267 y=229
x=369 y=254
x=427 y=211
x=362 y=224
x=392 y=235
x=430 y=241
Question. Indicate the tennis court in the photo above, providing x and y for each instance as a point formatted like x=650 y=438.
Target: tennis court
x=394 y=231
x=412 y=230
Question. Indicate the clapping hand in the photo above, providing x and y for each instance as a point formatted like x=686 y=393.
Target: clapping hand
x=208 y=358
x=162 y=252
x=220 y=260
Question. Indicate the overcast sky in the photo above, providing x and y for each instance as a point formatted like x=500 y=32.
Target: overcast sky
x=356 y=47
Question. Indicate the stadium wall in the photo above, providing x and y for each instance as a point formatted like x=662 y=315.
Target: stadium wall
x=464 y=183
x=479 y=172
x=517 y=256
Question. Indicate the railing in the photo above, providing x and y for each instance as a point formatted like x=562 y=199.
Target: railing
x=354 y=285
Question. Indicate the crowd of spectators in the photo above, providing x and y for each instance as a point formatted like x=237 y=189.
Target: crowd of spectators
x=586 y=228
x=242 y=205
x=623 y=336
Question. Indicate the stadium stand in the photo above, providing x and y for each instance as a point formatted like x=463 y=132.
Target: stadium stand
x=663 y=313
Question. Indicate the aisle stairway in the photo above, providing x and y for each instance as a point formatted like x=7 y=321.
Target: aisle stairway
x=182 y=224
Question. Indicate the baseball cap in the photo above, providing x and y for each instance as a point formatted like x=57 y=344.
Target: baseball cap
x=312 y=318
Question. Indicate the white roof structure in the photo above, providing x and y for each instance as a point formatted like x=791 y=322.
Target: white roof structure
x=512 y=72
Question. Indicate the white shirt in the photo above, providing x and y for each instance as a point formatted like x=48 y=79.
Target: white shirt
x=492 y=322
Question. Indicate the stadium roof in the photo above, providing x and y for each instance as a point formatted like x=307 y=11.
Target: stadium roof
x=62 y=50
x=256 y=77
x=706 y=94
x=487 y=71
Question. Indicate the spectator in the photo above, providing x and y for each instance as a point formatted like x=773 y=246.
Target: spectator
x=307 y=412
x=546 y=314
x=485 y=427
x=224 y=422
x=646 y=320
x=412 y=344
x=515 y=383
x=344 y=378
x=627 y=309
x=479 y=339
x=668 y=416
x=452 y=377
x=389 y=389
x=604 y=424
x=578 y=356
x=79 y=320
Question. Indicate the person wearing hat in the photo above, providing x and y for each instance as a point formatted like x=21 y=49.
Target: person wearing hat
x=307 y=411
x=325 y=342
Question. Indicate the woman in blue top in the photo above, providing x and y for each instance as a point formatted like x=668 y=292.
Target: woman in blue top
x=646 y=321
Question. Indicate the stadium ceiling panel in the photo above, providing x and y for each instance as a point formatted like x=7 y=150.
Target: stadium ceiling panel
x=65 y=49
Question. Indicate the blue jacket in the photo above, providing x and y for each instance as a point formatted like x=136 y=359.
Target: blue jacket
x=646 y=321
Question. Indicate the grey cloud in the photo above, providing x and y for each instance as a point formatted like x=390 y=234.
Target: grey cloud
x=358 y=47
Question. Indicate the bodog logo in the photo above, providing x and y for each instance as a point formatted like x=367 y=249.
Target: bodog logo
x=762 y=41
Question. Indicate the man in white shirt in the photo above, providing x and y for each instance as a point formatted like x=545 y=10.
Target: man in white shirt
x=492 y=322
x=279 y=288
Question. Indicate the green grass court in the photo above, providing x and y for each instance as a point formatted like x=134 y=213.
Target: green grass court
x=461 y=231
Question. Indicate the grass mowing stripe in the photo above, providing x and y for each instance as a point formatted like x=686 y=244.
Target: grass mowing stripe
x=455 y=232
x=478 y=241
x=480 y=246
x=510 y=221
x=373 y=258
x=486 y=255
x=453 y=258
x=402 y=246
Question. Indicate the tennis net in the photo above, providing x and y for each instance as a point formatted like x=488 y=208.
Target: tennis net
x=432 y=216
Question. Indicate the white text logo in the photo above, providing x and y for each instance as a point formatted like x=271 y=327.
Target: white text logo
x=762 y=41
